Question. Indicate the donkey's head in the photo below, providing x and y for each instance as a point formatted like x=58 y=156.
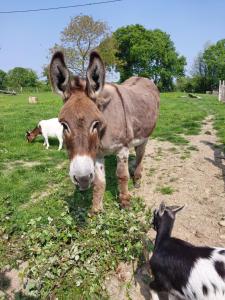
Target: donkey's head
x=82 y=121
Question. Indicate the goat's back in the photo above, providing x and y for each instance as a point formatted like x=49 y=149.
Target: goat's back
x=51 y=127
x=189 y=272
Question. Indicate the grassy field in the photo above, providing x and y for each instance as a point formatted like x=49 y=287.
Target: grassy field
x=45 y=222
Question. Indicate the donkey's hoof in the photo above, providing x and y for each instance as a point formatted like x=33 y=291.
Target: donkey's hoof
x=95 y=210
x=125 y=201
x=125 y=204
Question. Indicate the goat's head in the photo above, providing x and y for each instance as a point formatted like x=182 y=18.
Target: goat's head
x=80 y=116
x=164 y=212
x=30 y=136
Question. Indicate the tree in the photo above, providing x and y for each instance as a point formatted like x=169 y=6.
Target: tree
x=148 y=53
x=209 y=67
x=108 y=50
x=82 y=35
x=214 y=58
x=22 y=77
x=45 y=74
x=3 y=79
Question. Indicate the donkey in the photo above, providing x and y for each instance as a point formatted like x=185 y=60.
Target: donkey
x=100 y=119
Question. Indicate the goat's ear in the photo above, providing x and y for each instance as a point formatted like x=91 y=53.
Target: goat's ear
x=95 y=75
x=162 y=208
x=59 y=75
x=176 y=209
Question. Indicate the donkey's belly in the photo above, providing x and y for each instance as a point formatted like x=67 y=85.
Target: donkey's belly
x=137 y=142
x=116 y=147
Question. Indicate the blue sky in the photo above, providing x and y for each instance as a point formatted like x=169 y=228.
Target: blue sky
x=26 y=38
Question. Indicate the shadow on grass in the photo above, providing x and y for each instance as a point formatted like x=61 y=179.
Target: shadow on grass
x=21 y=296
x=143 y=278
x=53 y=142
x=219 y=157
x=5 y=282
x=79 y=203
x=143 y=274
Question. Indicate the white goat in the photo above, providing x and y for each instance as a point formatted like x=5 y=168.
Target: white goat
x=47 y=128
x=184 y=271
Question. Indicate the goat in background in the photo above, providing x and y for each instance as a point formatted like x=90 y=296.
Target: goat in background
x=47 y=128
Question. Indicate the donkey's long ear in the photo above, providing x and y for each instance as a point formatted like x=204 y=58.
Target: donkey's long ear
x=95 y=75
x=59 y=75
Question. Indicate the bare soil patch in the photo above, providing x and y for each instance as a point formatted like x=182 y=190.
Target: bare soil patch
x=10 y=166
x=39 y=196
x=197 y=181
x=193 y=175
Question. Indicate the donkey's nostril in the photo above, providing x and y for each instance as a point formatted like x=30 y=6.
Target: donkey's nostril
x=91 y=176
x=76 y=181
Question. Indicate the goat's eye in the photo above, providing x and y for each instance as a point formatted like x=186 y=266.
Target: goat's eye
x=94 y=126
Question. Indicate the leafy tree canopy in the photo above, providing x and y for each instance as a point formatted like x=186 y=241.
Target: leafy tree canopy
x=108 y=49
x=22 y=77
x=209 y=67
x=3 y=79
x=148 y=53
x=82 y=35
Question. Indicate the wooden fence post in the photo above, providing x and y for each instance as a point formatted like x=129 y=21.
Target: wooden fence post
x=221 y=91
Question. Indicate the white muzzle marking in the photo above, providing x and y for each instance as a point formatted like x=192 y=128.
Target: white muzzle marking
x=81 y=166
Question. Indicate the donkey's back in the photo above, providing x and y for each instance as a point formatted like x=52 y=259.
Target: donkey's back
x=131 y=114
x=141 y=98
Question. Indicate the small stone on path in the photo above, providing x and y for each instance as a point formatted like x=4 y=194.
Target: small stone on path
x=222 y=223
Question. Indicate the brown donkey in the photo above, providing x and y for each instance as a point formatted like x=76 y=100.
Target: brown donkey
x=100 y=119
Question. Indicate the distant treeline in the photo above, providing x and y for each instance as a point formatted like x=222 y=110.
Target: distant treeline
x=22 y=80
x=132 y=50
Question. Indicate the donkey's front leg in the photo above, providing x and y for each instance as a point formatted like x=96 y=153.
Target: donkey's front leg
x=140 y=151
x=123 y=176
x=99 y=186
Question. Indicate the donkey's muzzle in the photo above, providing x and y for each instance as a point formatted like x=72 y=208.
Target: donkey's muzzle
x=82 y=171
x=83 y=182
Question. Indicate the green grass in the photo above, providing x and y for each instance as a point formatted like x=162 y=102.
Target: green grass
x=70 y=253
x=165 y=190
x=151 y=172
x=183 y=116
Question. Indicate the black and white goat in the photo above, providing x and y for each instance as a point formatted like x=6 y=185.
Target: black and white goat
x=181 y=269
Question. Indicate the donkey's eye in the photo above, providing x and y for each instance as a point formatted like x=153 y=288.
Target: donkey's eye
x=65 y=126
x=94 y=126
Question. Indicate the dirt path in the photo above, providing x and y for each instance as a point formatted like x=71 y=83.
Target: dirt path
x=197 y=181
x=193 y=175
